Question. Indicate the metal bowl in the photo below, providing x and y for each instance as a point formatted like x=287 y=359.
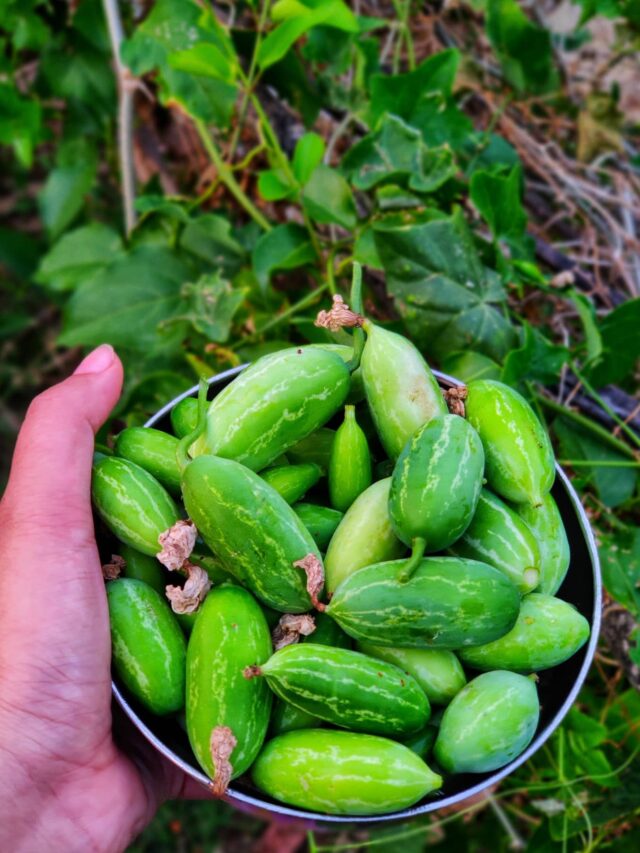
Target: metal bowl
x=557 y=687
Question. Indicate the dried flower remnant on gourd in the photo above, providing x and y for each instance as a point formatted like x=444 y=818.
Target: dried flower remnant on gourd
x=314 y=571
x=454 y=398
x=177 y=544
x=187 y=598
x=290 y=628
x=114 y=568
x=339 y=316
x=222 y=744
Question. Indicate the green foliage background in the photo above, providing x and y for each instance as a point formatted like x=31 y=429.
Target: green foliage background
x=292 y=138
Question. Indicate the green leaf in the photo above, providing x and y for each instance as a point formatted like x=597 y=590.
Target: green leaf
x=620 y=559
x=125 y=303
x=299 y=20
x=590 y=731
x=498 y=198
x=365 y=250
x=587 y=314
x=327 y=198
x=209 y=238
x=63 y=195
x=205 y=60
x=178 y=35
x=285 y=247
x=488 y=151
x=173 y=26
x=209 y=100
x=440 y=121
x=397 y=93
x=613 y=485
x=20 y=123
x=447 y=298
x=523 y=48
x=620 y=344
x=78 y=255
x=273 y=185
x=396 y=153
x=147 y=205
x=470 y=365
x=536 y=360
x=212 y=303
x=308 y=154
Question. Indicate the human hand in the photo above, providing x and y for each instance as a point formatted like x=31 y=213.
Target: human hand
x=64 y=784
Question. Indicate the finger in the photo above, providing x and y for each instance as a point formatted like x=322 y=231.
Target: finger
x=51 y=470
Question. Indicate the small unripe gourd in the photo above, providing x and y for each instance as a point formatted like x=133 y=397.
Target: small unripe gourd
x=350 y=463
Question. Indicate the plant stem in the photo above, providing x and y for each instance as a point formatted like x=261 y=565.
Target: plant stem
x=331 y=279
x=249 y=81
x=125 y=115
x=226 y=176
x=587 y=424
x=516 y=841
x=403 y=11
x=283 y=161
x=303 y=303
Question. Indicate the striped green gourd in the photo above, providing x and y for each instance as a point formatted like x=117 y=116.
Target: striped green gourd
x=364 y=536
x=488 y=724
x=287 y=718
x=132 y=503
x=499 y=537
x=356 y=391
x=143 y=567
x=350 y=463
x=274 y=403
x=435 y=486
x=548 y=631
x=184 y=417
x=320 y=521
x=342 y=773
x=437 y=671
x=448 y=603
x=422 y=742
x=314 y=448
x=153 y=450
x=401 y=390
x=292 y=482
x=230 y=634
x=147 y=646
x=346 y=688
x=201 y=556
x=519 y=457
x=251 y=529
x=545 y=522
x=328 y=633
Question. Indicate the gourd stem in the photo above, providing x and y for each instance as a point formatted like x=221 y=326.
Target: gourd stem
x=358 y=347
x=355 y=297
x=355 y=300
x=418 y=546
x=185 y=443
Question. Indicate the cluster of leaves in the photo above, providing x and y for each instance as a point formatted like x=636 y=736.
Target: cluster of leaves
x=402 y=182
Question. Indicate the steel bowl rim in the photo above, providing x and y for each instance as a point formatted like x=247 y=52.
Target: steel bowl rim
x=318 y=818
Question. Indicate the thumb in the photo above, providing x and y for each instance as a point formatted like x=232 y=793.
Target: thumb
x=50 y=478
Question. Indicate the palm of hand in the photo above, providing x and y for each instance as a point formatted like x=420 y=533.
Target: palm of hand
x=67 y=782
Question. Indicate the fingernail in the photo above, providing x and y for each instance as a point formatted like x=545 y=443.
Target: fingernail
x=100 y=359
